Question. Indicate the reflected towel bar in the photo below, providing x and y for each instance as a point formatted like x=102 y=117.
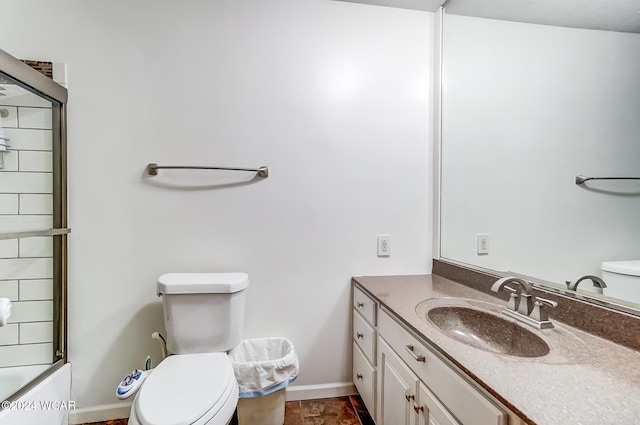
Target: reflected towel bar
x=582 y=179
x=153 y=168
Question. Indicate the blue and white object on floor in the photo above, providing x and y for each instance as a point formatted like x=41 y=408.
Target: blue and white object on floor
x=131 y=383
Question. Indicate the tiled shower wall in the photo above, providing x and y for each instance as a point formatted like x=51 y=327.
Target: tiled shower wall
x=26 y=265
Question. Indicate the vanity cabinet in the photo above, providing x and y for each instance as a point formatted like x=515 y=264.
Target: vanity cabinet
x=462 y=402
x=403 y=398
x=364 y=348
x=406 y=382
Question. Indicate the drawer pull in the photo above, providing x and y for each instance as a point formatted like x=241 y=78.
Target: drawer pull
x=359 y=376
x=409 y=397
x=417 y=357
x=359 y=335
x=418 y=409
x=360 y=305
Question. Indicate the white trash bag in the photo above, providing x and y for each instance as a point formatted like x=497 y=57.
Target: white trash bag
x=263 y=365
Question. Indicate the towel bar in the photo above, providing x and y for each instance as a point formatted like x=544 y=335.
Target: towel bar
x=153 y=168
x=34 y=233
x=581 y=179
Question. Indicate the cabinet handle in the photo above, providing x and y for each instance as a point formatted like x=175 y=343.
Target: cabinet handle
x=359 y=335
x=418 y=409
x=409 y=397
x=360 y=305
x=417 y=357
x=359 y=376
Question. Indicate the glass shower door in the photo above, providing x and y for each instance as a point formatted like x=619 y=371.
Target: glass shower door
x=33 y=227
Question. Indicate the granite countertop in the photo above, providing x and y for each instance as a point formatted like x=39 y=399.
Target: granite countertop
x=583 y=380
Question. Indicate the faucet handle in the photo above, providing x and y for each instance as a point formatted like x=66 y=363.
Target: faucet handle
x=539 y=312
x=543 y=301
x=513 y=298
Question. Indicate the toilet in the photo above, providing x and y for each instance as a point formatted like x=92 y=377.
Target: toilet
x=622 y=279
x=196 y=385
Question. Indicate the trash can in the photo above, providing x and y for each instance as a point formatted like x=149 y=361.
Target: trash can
x=263 y=367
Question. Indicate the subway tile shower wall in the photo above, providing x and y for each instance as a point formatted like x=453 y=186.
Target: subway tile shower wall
x=26 y=265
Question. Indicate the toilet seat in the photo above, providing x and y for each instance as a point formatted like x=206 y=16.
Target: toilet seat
x=188 y=389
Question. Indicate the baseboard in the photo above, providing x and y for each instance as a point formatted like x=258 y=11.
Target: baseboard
x=310 y=392
x=106 y=412
x=100 y=413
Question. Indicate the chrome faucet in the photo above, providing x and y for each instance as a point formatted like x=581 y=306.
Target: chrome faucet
x=572 y=285
x=521 y=303
x=523 y=307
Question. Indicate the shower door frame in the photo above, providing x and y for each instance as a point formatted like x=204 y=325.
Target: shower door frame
x=40 y=85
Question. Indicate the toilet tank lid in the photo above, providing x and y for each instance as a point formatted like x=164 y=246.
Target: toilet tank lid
x=202 y=283
x=631 y=268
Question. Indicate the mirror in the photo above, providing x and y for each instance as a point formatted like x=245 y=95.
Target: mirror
x=528 y=105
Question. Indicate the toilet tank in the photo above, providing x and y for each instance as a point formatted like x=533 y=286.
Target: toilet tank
x=622 y=279
x=203 y=312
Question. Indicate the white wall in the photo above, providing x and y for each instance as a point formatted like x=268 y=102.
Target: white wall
x=526 y=109
x=334 y=97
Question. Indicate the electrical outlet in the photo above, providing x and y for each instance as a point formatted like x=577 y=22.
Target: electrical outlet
x=482 y=244
x=384 y=245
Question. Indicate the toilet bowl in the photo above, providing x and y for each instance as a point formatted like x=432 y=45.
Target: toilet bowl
x=622 y=279
x=187 y=389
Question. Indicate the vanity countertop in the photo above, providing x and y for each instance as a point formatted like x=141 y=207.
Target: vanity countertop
x=583 y=380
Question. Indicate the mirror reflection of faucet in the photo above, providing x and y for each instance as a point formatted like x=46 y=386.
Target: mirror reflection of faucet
x=598 y=283
x=522 y=306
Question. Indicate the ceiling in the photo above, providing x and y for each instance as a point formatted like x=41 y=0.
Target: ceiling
x=608 y=15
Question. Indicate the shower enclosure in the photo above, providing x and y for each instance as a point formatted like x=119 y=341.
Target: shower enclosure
x=33 y=226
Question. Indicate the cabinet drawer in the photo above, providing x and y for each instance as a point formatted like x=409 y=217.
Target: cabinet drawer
x=365 y=336
x=464 y=401
x=364 y=378
x=365 y=305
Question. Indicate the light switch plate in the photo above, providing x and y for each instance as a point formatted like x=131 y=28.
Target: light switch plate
x=482 y=244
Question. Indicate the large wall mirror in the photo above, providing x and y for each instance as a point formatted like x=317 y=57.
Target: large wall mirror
x=533 y=96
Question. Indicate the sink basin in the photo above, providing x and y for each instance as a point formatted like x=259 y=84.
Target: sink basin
x=487 y=331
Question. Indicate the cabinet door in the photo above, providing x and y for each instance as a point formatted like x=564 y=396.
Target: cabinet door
x=397 y=389
x=430 y=411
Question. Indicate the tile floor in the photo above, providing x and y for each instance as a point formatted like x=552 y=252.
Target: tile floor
x=327 y=411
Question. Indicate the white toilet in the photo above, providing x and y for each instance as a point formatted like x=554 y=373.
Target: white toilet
x=622 y=279
x=203 y=315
